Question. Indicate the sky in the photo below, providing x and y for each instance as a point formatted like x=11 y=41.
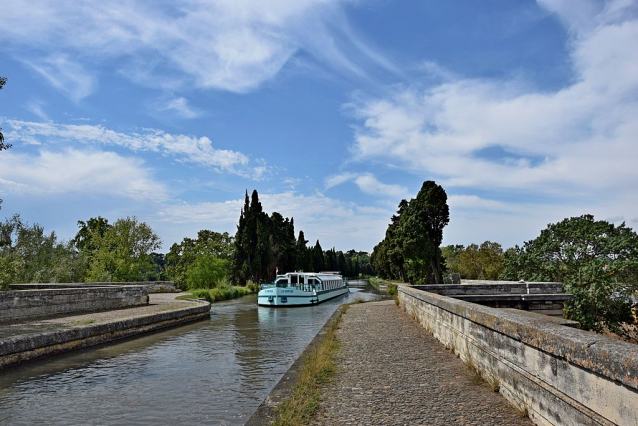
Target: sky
x=334 y=110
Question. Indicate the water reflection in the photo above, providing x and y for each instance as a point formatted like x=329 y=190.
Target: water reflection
x=215 y=372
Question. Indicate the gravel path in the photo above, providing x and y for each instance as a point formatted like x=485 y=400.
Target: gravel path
x=392 y=372
x=157 y=303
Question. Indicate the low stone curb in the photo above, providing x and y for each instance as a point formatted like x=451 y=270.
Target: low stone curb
x=16 y=349
x=283 y=389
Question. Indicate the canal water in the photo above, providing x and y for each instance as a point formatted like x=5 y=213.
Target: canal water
x=211 y=372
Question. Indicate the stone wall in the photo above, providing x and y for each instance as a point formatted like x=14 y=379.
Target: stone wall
x=151 y=286
x=22 y=304
x=541 y=297
x=559 y=375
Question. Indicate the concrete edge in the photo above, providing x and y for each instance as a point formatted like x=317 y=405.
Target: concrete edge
x=283 y=389
x=607 y=357
x=18 y=349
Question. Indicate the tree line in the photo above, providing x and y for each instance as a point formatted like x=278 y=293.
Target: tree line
x=596 y=261
x=126 y=250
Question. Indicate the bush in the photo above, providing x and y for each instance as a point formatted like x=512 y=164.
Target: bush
x=208 y=271
x=224 y=291
x=392 y=289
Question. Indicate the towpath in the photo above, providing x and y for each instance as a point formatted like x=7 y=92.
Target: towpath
x=392 y=372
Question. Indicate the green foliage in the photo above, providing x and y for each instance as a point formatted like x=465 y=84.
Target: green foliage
x=596 y=260
x=484 y=262
x=28 y=254
x=3 y=145
x=122 y=252
x=208 y=271
x=181 y=257
x=392 y=289
x=410 y=250
x=224 y=291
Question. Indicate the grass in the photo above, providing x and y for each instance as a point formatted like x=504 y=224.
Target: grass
x=375 y=282
x=219 y=293
x=86 y=322
x=317 y=370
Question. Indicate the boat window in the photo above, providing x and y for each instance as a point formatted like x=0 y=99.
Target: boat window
x=293 y=279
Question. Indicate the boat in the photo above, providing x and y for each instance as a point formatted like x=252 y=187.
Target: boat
x=302 y=289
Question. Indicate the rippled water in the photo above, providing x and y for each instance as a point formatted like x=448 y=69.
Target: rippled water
x=211 y=372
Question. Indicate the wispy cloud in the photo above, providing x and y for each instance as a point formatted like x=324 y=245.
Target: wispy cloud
x=368 y=184
x=34 y=106
x=78 y=172
x=192 y=149
x=227 y=44
x=179 y=107
x=66 y=75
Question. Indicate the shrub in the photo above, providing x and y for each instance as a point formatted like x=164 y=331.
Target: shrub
x=392 y=289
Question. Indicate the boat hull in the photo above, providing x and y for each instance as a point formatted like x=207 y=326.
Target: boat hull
x=281 y=296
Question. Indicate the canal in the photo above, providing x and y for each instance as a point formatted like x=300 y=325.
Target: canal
x=210 y=372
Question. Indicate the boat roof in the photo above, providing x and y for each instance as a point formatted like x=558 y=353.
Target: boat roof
x=320 y=275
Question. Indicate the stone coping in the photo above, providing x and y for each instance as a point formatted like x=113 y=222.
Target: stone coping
x=603 y=355
x=493 y=287
x=505 y=297
x=44 y=286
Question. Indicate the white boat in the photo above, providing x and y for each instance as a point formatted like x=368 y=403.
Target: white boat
x=302 y=288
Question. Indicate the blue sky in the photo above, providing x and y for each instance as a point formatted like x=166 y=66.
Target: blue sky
x=525 y=112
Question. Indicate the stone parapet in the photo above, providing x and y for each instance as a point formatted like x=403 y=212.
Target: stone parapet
x=152 y=286
x=559 y=375
x=16 y=305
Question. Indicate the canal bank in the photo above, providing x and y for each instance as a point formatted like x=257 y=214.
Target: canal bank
x=31 y=339
x=216 y=371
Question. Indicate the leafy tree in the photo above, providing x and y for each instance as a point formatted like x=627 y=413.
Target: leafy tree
x=123 y=252
x=596 y=260
x=207 y=271
x=452 y=257
x=410 y=250
x=484 y=262
x=28 y=254
x=183 y=256
x=95 y=225
x=3 y=146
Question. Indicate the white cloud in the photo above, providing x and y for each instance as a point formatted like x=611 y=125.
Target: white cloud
x=368 y=184
x=65 y=75
x=179 y=107
x=34 y=106
x=577 y=142
x=78 y=172
x=186 y=148
x=338 y=179
x=226 y=44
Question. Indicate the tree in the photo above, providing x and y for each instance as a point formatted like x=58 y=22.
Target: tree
x=3 y=146
x=410 y=250
x=183 y=256
x=596 y=260
x=452 y=257
x=207 y=271
x=123 y=252
x=95 y=225
x=28 y=254
x=484 y=262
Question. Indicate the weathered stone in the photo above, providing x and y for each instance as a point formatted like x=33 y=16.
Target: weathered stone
x=560 y=375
